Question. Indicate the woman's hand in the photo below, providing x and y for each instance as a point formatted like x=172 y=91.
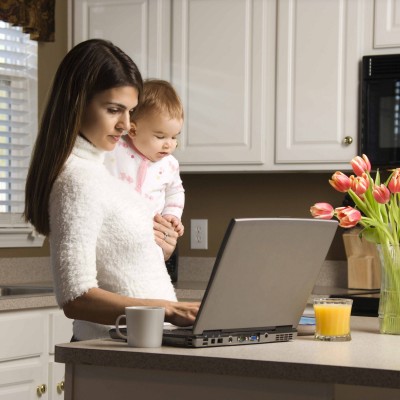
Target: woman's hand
x=181 y=313
x=165 y=235
x=176 y=224
x=103 y=307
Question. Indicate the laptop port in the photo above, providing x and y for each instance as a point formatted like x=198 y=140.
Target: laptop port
x=254 y=338
x=220 y=340
x=242 y=339
x=230 y=339
x=212 y=341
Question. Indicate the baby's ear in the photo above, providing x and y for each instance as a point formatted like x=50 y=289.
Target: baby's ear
x=132 y=131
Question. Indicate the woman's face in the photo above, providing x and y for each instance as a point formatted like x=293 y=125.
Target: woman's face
x=107 y=116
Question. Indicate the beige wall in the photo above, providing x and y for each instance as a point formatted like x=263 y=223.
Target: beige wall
x=220 y=197
x=216 y=197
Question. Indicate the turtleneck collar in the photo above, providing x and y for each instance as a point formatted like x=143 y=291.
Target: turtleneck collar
x=85 y=149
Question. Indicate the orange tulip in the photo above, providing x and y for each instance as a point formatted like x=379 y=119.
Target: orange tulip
x=348 y=216
x=360 y=165
x=340 y=182
x=322 y=211
x=381 y=194
x=359 y=184
x=394 y=184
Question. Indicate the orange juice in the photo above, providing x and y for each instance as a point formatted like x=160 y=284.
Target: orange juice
x=332 y=319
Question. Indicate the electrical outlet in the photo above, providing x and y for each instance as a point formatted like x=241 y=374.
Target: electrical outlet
x=199 y=234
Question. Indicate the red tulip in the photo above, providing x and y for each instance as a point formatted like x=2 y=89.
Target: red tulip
x=394 y=184
x=322 y=211
x=360 y=165
x=348 y=216
x=381 y=194
x=359 y=184
x=340 y=182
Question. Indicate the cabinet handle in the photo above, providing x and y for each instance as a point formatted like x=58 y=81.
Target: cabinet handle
x=60 y=387
x=348 y=140
x=41 y=389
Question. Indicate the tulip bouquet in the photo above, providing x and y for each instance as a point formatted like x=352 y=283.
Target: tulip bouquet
x=377 y=211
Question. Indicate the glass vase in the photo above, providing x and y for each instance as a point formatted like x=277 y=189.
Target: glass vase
x=389 y=303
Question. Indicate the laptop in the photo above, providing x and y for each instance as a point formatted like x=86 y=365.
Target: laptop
x=263 y=275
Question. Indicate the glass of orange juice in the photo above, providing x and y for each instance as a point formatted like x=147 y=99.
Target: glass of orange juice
x=332 y=319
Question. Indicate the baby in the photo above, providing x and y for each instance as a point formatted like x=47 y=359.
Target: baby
x=143 y=157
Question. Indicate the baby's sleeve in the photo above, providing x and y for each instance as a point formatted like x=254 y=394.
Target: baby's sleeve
x=174 y=193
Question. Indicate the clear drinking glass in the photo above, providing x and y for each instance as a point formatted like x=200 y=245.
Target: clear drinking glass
x=332 y=319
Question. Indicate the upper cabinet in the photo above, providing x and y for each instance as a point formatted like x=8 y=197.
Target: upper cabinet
x=140 y=27
x=266 y=85
x=223 y=67
x=387 y=23
x=318 y=53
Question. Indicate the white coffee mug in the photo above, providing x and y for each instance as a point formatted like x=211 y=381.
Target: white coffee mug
x=144 y=325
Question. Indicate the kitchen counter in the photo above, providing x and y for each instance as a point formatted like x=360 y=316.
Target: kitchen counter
x=185 y=290
x=369 y=359
x=29 y=300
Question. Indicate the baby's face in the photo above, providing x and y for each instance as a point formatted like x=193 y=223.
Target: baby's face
x=155 y=135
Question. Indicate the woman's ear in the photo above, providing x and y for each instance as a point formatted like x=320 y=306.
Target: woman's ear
x=132 y=131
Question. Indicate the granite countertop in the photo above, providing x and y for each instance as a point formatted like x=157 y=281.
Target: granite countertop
x=369 y=359
x=28 y=301
x=185 y=290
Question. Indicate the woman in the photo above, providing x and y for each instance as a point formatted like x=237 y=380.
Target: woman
x=103 y=241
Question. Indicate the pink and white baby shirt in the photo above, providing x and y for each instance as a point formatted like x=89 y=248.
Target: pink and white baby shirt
x=159 y=182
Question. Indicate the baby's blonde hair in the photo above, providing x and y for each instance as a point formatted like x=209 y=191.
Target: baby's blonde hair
x=158 y=96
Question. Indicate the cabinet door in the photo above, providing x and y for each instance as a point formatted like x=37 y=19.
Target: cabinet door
x=223 y=67
x=387 y=23
x=22 y=334
x=318 y=55
x=139 y=27
x=23 y=356
x=56 y=380
x=20 y=379
x=60 y=329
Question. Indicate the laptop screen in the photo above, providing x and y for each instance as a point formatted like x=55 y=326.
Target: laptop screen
x=264 y=272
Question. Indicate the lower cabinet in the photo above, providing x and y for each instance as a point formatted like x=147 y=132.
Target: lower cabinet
x=27 y=367
x=23 y=379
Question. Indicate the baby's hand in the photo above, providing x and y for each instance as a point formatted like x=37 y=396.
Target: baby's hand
x=176 y=223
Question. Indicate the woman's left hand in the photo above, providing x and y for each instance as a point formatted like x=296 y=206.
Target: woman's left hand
x=165 y=235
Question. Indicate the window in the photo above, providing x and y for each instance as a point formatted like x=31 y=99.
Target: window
x=18 y=126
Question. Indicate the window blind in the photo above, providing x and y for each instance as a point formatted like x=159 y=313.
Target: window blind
x=18 y=119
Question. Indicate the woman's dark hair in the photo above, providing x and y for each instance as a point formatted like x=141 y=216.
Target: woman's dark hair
x=89 y=68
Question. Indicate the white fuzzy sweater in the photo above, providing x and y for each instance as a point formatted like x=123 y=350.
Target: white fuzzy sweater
x=101 y=235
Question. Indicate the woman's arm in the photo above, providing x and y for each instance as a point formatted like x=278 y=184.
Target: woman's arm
x=103 y=307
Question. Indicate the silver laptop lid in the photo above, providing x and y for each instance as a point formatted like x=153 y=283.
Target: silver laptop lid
x=264 y=273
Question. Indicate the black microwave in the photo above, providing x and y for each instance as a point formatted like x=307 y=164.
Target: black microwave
x=380 y=110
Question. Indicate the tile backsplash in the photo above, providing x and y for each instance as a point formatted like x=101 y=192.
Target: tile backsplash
x=37 y=269
x=17 y=271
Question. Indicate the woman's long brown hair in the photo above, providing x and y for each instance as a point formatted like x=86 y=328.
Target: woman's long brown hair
x=89 y=68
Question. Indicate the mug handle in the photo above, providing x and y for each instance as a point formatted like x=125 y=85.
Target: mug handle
x=121 y=335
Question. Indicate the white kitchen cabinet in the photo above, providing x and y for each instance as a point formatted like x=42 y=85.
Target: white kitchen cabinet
x=140 y=27
x=266 y=85
x=223 y=68
x=387 y=23
x=56 y=380
x=27 y=368
x=318 y=53
x=23 y=358
x=20 y=379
